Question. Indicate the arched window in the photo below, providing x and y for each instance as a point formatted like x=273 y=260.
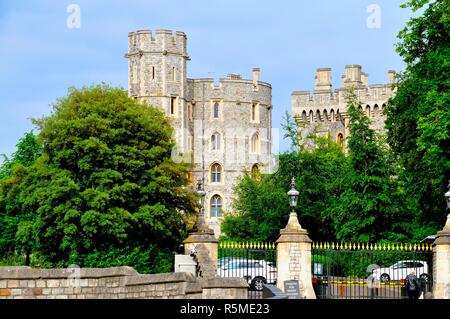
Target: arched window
x=216 y=206
x=325 y=115
x=368 y=110
x=376 y=110
x=215 y=142
x=216 y=110
x=317 y=116
x=216 y=173
x=311 y=116
x=340 y=139
x=304 y=116
x=255 y=143
x=338 y=115
x=360 y=108
x=332 y=115
x=255 y=171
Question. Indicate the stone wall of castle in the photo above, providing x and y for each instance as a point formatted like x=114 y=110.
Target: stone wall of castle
x=324 y=112
x=158 y=76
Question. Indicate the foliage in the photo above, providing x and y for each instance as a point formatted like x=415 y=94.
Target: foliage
x=418 y=117
x=262 y=205
x=16 y=224
x=105 y=184
x=368 y=208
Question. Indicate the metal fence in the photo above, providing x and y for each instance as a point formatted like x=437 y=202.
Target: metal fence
x=253 y=261
x=369 y=271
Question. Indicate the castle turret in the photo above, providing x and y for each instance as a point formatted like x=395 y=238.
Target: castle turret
x=157 y=73
x=323 y=80
x=352 y=76
x=324 y=112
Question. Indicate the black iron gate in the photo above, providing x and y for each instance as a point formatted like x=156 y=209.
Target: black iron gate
x=369 y=271
x=253 y=261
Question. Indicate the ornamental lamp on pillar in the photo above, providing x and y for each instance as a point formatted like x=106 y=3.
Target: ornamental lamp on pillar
x=293 y=195
x=293 y=198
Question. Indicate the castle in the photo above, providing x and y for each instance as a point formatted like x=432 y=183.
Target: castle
x=323 y=113
x=221 y=129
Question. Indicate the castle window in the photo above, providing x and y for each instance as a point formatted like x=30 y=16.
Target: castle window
x=254 y=112
x=215 y=142
x=304 y=116
x=216 y=206
x=311 y=116
x=317 y=116
x=216 y=172
x=190 y=146
x=190 y=177
x=340 y=139
x=255 y=143
x=368 y=110
x=255 y=172
x=190 y=112
x=173 y=74
x=333 y=119
x=173 y=101
x=376 y=110
x=216 y=110
x=153 y=72
x=325 y=115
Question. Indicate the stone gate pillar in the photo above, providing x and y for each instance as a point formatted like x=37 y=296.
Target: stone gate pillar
x=294 y=257
x=441 y=263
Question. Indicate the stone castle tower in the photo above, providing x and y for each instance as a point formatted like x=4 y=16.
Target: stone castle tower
x=325 y=112
x=222 y=129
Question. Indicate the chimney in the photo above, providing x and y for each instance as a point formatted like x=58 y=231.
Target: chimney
x=391 y=76
x=323 y=80
x=352 y=75
x=365 y=78
x=255 y=76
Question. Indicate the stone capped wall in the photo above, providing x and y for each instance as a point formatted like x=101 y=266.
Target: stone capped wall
x=112 y=283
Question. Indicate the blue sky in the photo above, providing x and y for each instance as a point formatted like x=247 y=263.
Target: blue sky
x=40 y=57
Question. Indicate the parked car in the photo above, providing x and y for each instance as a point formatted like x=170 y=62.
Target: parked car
x=401 y=269
x=256 y=272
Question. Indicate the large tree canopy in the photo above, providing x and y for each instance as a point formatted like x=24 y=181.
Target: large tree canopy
x=106 y=183
x=369 y=207
x=15 y=230
x=418 y=117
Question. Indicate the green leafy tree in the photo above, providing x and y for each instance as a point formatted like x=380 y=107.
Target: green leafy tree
x=367 y=208
x=261 y=207
x=16 y=235
x=105 y=184
x=418 y=117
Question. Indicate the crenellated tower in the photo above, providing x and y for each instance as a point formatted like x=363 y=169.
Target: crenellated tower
x=157 y=74
x=324 y=112
x=225 y=128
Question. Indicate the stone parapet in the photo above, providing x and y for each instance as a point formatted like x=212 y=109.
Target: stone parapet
x=112 y=283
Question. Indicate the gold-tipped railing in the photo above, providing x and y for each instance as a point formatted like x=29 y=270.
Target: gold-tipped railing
x=246 y=245
x=377 y=246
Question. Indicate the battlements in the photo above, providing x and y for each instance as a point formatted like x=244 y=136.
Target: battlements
x=353 y=77
x=157 y=41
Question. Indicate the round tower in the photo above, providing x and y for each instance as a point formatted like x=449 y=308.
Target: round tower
x=157 y=73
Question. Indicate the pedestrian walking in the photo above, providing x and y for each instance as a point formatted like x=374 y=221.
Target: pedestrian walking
x=412 y=285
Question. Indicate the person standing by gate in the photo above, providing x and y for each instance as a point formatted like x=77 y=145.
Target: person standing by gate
x=412 y=285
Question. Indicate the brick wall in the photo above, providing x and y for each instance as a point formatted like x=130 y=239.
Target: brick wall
x=112 y=283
